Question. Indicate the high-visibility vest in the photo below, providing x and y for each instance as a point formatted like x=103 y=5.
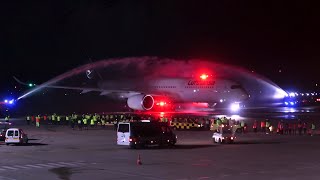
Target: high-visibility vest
x=242 y=124
x=53 y=118
x=267 y=124
x=313 y=127
x=37 y=119
x=84 y=121
x=102 y=122
x=67 y=118
x=79 y=121
x=28 y=118
x=58 y=118
x=92 y=122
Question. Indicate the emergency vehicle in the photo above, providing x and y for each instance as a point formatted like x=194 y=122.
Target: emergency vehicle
x=224 y=134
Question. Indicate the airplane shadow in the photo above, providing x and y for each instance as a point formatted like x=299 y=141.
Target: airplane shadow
x=256 y=142
x=35 y=144
x=177 y=147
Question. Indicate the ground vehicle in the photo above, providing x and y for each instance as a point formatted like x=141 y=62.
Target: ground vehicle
x=224 y=134
x=140 y=134
x=15 y=136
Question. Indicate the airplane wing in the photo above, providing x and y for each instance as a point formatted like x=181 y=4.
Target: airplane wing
x=103 y=92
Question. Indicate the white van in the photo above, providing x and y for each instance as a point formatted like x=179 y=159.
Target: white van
x=15 y=136
x=140 y=134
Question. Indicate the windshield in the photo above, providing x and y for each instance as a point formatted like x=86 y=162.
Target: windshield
x=146 y=130
x=227 y=131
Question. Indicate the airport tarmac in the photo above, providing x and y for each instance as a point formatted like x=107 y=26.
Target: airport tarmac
x=57 y=152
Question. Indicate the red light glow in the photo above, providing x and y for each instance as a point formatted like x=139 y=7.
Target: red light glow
x=204 y=76
x=162 y=103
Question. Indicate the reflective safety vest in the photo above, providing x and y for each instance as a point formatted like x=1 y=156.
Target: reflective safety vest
x=242 y=124
x=79 y=121
x=28 y=118
x=53 y=118
x=92 y=122
x=313 y=127
x=58 y=118
x=84 y=121
x=37 y=119
x=102 y=122
x=67 y=118
x=267 y=124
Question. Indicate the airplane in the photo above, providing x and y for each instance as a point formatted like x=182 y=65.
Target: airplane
x=150 y=94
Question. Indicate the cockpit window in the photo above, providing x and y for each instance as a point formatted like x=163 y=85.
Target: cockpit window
x=236 y=87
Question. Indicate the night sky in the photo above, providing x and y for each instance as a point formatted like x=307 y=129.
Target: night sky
x=42 y=39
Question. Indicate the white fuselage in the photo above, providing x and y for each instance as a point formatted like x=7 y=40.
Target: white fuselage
x=184 y=89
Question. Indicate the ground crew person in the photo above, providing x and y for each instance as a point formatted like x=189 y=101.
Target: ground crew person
x=85 y=122
x=79 y=124
x=267 y=126
x=7 y=118
x=58 y=120
x=38 y=121
x=44 y=118
x=73 y=122
x=242 y=126
x=67 y=119
x=255 y=125
x=271 y=129
x=53 y=118
x=313 y=129
x=32 y=119
x=92 y=122
x=103 y=122
x=263 y=126
x=28 y=120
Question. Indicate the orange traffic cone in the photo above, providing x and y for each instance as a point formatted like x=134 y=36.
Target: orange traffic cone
x=139 y=160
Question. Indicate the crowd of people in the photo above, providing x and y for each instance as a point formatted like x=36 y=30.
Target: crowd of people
x=85 y=121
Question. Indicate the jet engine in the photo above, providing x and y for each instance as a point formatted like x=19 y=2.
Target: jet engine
x=141 y=102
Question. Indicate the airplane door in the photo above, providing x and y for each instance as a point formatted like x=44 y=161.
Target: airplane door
x=123 y=134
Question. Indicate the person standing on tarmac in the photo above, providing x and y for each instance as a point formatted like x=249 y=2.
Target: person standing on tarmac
x=254 y=126
x=304 y=128
x=38 y=121
x=79 y=124
x=313 y=129
x=85 y=122
x=28 y=120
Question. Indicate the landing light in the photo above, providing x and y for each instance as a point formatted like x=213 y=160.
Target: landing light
x=235 y=107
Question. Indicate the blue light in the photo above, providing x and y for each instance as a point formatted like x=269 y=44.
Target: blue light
x=286 y=103
x=5 y=101
x=292 y=103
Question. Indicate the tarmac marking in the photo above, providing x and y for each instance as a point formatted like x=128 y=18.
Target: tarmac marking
x=8 y=167
x=44 y=165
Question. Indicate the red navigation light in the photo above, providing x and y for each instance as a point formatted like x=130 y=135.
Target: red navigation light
x=204 y=76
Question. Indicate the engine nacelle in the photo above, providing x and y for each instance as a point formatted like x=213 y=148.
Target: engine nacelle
x=141 y=102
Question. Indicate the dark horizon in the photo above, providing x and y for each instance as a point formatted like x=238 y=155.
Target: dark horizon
x=40 y=40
